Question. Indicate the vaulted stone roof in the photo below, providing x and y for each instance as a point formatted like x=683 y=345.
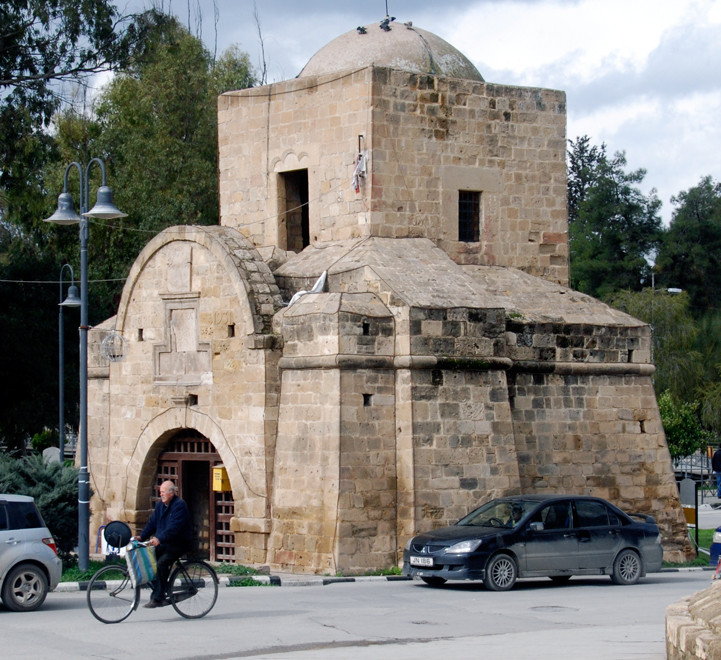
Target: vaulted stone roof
x=402 y=46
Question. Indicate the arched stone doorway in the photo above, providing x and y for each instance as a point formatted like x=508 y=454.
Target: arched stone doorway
x=188 y=461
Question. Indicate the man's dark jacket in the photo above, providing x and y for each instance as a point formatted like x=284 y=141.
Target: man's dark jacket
x=716 y=461
x=171 y=525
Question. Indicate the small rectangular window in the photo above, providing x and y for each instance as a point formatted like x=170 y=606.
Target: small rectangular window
x=293 y=213
x=469 y=216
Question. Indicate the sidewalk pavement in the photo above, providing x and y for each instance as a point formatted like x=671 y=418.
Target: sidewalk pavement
x=709 y=511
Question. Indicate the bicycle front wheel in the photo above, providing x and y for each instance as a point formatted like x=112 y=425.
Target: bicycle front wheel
x=193 y=589
x=111 y=595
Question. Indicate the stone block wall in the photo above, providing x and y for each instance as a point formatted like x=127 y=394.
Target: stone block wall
x=435 y=136
x=572 y=342
x=307 y=472
x=463 y=446
x=693 y=626
x=367 y=488
x=597 y=434
x=302 y=124
x=457 y=333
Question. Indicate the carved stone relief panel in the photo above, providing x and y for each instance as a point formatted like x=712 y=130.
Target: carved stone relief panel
x=182 y=359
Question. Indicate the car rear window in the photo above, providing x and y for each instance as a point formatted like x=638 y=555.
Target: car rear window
x=24 y=515
x=3 y=517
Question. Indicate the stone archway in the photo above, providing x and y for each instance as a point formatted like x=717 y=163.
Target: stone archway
x=144 y=473
x=188 y=460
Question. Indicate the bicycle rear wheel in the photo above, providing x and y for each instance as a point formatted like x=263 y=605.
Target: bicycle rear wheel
x=111 y=595
x=193 y=589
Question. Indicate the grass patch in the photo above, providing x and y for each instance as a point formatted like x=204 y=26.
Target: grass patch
x=74 y=574
x=705 y=539
x=247 y=582
x=393 y=570
x=235 y=569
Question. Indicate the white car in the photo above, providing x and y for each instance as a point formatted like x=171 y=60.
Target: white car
x=29 y=562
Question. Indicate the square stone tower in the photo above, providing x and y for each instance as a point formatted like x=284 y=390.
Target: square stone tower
x=405 y=152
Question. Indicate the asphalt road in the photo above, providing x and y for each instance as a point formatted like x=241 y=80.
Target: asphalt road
x=402 y=620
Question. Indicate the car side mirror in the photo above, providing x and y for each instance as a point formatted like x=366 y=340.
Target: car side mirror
x=536 y=527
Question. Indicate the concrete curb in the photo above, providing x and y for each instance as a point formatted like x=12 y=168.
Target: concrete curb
x=291 y=580
x=272 y=580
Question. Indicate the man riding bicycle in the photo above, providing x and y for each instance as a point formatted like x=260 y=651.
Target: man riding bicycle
x=170 y=531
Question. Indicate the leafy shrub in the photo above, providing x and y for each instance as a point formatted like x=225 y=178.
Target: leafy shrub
x=55 y=489
x=684 y=433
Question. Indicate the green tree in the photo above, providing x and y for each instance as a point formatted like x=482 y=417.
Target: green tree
x=684 y=433
x=156 y=127
x=171 y=181
x=690 y=256
x=673 y=334
x=29 y=330
x=612 y=225
x=41 y=45
x=584 y=160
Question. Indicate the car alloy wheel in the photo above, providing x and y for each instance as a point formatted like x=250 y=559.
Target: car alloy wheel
x=501 y=573
x=626 y=568
x=24 y=588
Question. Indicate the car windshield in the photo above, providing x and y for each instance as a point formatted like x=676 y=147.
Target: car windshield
x=499 y=513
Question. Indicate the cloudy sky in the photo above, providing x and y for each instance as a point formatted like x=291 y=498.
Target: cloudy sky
x=643 y=76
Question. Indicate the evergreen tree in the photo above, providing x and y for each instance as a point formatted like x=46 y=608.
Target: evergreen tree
x=679 y=365
x=690 y=256
x=612 y=226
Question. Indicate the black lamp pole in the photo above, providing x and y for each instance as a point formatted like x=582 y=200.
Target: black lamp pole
x=65 y=215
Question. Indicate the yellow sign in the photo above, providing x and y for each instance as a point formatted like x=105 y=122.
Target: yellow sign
x=221 y=483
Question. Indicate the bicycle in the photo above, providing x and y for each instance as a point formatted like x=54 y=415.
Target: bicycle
x=192 y=591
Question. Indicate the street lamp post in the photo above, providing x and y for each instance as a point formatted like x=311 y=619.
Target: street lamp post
x=71 y=301
x=65 y=215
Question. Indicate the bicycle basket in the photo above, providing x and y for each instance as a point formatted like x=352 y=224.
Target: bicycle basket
x=117 y=534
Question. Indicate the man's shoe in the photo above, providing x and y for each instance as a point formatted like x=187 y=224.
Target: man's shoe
x=153 y=603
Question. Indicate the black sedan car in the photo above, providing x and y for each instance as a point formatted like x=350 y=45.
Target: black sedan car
x=553 y=536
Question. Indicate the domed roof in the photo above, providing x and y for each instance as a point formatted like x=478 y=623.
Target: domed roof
x=397 y=46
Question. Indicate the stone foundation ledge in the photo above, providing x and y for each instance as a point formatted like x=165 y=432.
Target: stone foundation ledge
x=693 y=626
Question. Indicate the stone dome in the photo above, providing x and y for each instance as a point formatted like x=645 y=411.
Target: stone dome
x=401 y=46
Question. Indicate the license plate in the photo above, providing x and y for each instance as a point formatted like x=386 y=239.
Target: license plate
x=421 y=561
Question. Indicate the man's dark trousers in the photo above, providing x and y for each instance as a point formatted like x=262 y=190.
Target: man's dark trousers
x=165 y=555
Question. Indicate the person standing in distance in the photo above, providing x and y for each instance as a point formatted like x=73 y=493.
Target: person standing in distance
x=170 y=532
x=716 y=467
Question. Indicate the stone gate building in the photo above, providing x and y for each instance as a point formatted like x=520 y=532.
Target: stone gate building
x=438 y=358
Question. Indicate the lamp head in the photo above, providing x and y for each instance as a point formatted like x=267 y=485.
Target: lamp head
x=73 y=299
x=104 y=208
x=65 y=213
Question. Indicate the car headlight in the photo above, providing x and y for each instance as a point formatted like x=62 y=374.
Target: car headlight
x=408 y=543
x=463 y=547
x=717 y=537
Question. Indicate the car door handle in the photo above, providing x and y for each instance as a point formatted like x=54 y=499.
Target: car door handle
x=12 y=541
